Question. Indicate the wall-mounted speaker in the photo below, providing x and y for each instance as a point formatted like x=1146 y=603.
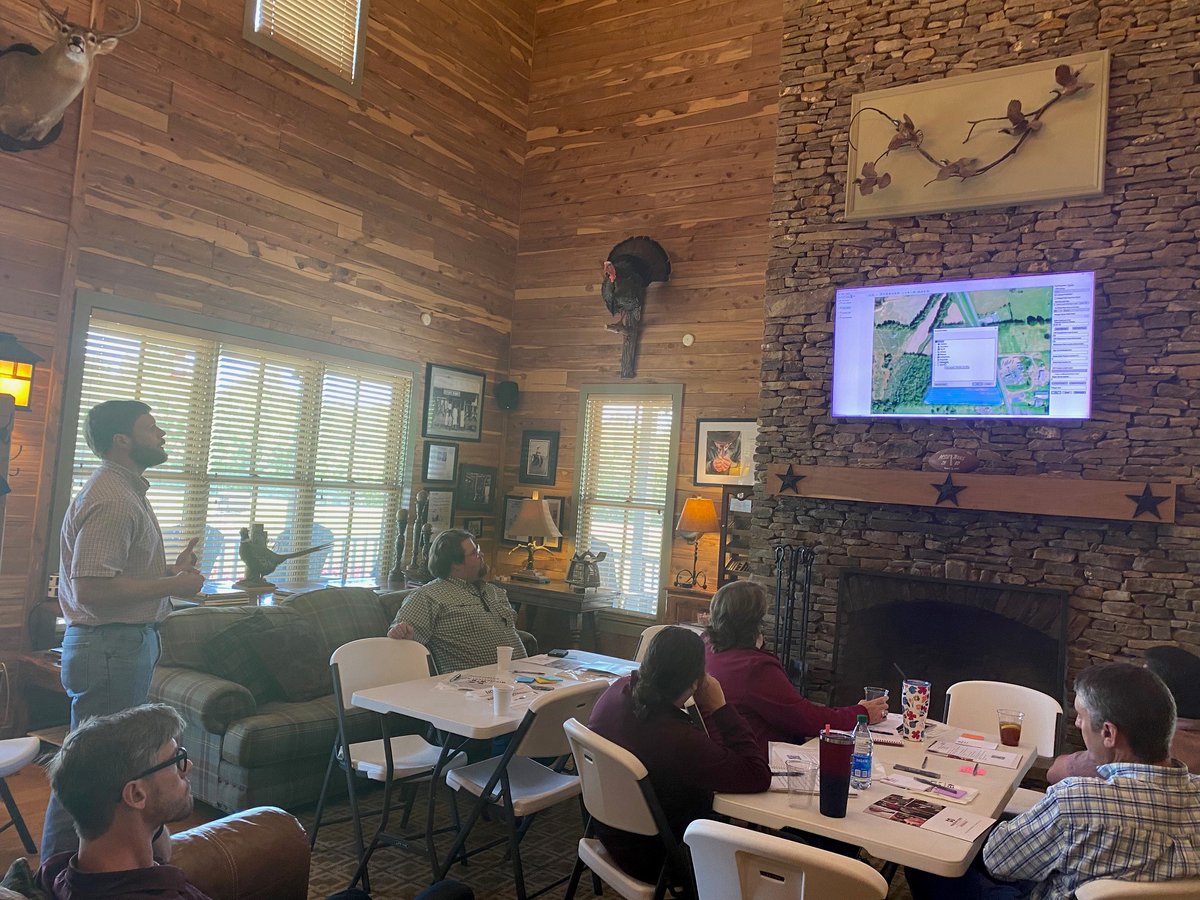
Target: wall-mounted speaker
x=507 y=394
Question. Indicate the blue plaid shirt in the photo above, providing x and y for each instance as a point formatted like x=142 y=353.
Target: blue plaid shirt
x=1135 y=822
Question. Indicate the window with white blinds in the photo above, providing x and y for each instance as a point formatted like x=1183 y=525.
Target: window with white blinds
x=624 y=484
x=312 y=448
x=327 y=33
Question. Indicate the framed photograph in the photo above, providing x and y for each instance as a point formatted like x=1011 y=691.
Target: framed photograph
x=441 y=463
x=725 y=451
x=476 y=487
x=539 y=457
x=441 y=510
x=474 y=526
x=512 y=506
x=453 y=403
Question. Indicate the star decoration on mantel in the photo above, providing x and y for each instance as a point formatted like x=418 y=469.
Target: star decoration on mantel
x=1146 y=502
x=947 y=490
x=789 y=481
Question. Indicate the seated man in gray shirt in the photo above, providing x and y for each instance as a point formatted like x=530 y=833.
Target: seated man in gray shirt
x=461 y=618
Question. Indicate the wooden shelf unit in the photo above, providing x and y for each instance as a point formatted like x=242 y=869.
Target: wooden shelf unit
x=733 y=551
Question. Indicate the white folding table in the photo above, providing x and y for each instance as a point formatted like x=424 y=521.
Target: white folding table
x=893 y=841
x=463 y=717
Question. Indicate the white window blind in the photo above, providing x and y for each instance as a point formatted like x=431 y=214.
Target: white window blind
x=326 y=32
x=623 y=483
x=313 y=449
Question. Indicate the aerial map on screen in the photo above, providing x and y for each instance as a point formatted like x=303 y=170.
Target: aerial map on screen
x=981 y=352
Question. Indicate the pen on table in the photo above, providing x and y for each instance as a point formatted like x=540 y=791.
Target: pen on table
x=975 y=769
x=925 y=762
x=454 y=678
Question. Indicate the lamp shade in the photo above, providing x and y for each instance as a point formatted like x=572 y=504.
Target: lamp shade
x=534 y=521
x=16 y=370
x=699 y=517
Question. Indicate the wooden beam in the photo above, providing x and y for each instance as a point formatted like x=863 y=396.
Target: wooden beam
x=1044 y=495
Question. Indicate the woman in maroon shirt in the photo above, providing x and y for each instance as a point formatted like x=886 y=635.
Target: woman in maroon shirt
x=643 y=713
x=754 y=681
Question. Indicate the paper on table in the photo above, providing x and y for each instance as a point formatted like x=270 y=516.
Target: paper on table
x=955 y=750
x=905 y=783
x=779 y=752
x=890 y=725
x=977 y=742
x=933 y=817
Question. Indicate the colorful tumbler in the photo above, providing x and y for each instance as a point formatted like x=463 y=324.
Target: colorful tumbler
x=914 y=704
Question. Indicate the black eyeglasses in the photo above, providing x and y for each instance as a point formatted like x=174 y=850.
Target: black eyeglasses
x=179 y=760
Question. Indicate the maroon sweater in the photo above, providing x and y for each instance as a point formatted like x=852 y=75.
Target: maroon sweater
x=757 y=687
x=686 y=766
x=62 y=881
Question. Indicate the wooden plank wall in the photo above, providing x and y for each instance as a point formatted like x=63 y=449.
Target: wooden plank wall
x=649 y=117
x=218 y=179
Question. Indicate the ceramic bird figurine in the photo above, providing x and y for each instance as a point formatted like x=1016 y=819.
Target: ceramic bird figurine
x=261 y=560
x=629 y=269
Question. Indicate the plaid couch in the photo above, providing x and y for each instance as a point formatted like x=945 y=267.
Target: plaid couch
x=275 y=754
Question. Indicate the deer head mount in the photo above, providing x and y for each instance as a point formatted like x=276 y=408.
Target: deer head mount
x=36 y=88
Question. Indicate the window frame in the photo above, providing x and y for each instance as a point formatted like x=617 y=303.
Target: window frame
x=675 y=392
x=87 y=302
x=309 y=66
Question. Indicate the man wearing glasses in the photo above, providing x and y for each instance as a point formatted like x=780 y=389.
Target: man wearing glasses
x=122 y=778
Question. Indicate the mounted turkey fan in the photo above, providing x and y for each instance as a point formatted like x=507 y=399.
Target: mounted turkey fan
x=629 y=269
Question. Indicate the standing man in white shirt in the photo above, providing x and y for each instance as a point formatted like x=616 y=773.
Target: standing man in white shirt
x=114 y=582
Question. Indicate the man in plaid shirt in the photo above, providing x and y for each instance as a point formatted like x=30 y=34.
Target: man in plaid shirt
x=1139 y=821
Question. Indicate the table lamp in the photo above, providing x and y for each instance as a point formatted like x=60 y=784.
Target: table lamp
x=534 y=523
x=699 y=517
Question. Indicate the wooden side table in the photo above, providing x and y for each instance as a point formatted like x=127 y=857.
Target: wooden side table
x=581 y=609
x=685 y=605
x=41 y=671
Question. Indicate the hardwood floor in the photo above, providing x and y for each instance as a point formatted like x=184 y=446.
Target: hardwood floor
x=31 y=791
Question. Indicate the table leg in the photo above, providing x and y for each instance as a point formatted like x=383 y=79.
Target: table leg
x=590 y=637
x=576 y=624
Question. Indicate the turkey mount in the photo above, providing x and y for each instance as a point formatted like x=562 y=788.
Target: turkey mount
x=631 y=266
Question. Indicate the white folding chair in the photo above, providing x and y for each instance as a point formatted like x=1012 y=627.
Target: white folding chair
x=639 y=655
x=515 y=781
x=733 y=863
x=1111 y=889
x=16 y=754
x=617 y=792
x=407 y=759
x=973 y=704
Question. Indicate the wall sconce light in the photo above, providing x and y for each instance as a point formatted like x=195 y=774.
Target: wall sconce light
x=16 y=370
x=699 y=516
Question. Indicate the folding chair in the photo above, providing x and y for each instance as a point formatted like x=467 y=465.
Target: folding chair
x=617 y=792
x=1111 y=889
x=408 y=759
x=516 y=782
x=973 y=704
x=639 y=655
x=733 y=863
x=16 y=754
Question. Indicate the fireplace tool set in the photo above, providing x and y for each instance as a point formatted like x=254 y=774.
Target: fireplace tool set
x=793 y=584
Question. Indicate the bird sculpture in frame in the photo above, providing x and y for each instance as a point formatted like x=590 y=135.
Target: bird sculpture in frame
x=630 y=268
x=261 y=560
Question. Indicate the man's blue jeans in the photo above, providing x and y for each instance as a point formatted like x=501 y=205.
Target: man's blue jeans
x=105 y=669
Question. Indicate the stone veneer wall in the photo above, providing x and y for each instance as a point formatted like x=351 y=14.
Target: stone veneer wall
x=1131 y=585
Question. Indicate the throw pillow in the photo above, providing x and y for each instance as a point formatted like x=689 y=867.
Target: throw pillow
x=231 y=654
x=22 y=879
x=291 y=654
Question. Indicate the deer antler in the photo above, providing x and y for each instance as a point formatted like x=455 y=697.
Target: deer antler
x=61 y=17
x=124 y=31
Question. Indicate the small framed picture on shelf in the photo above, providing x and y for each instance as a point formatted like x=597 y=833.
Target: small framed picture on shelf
x=539 y=457
x=512 y=506
x=474 y=526
x=440 y=463
x=725 y=451
x=441 y=510
x=476 y=487
x=453 y=403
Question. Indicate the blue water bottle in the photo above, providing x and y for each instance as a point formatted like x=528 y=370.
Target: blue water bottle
x=860 y=762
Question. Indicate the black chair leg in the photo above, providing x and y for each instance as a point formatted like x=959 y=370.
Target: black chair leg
x=514 y=848
x=15 y=815
x=312 y=838
x=573 y=884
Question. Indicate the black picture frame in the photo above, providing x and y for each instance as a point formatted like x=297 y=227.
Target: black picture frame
x=441 y=510
x=477 y=487
x=453 y=406
x=539 y=457
x=429 y=456
x=474 y=525
x=512 y=505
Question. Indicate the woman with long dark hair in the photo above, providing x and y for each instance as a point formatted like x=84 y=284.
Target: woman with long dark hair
x=754 y=680
x=643 y=713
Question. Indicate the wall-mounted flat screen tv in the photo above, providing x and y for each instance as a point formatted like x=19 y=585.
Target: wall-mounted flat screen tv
x=1002 y=348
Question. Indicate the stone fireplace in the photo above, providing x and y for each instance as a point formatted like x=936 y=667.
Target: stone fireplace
x=944 y=632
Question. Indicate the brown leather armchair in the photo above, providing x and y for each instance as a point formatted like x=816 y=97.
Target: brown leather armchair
x=256 y=854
